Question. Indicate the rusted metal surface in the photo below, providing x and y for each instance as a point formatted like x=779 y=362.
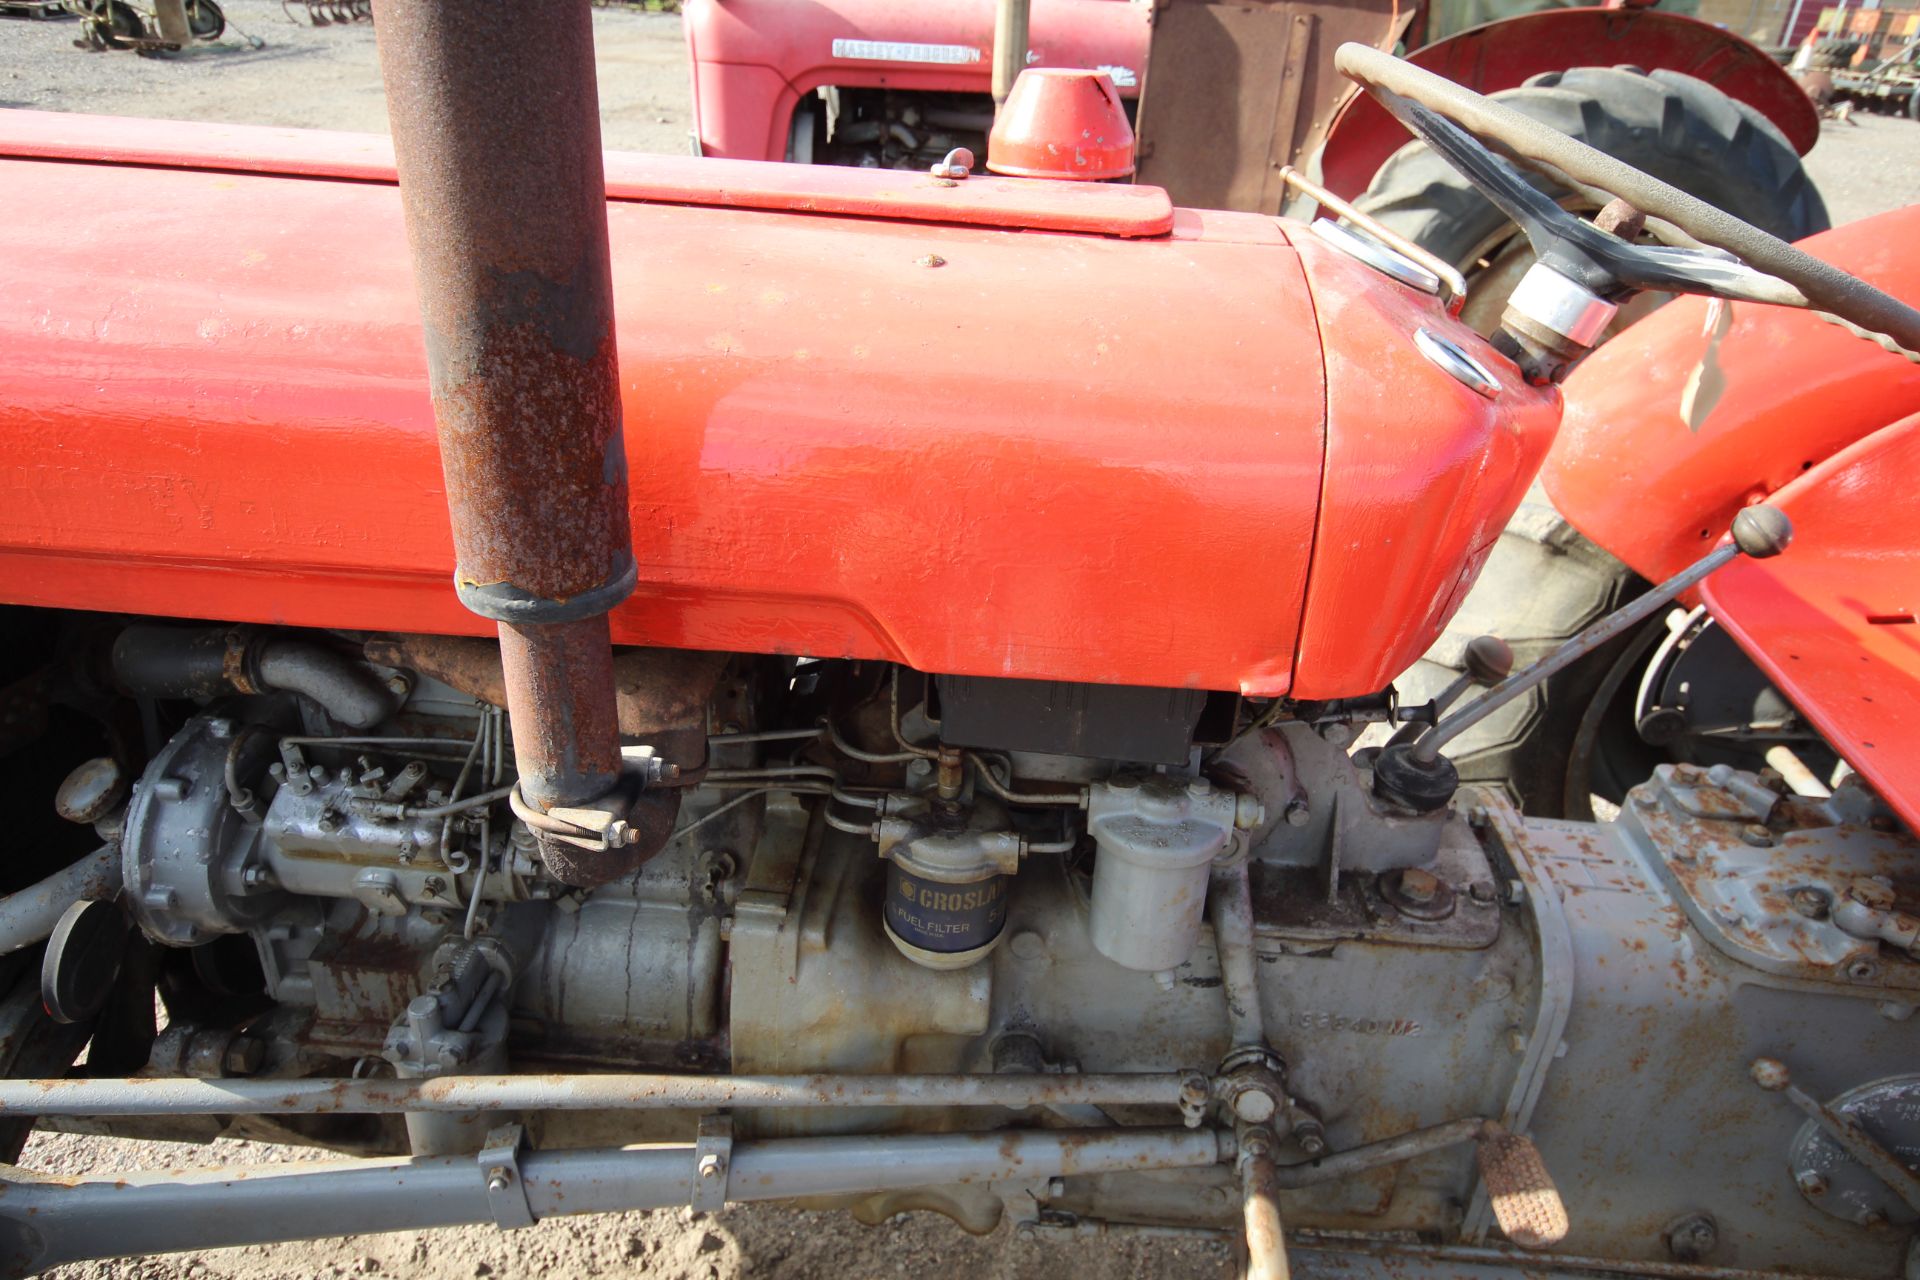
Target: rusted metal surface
x=497 y=138
x=1260 y=1199
x=466 y=663
x=496 y=131
x=566 y=745
x=137 y=1096
x=1272 y=92
x=658 y=693
x=660 y=698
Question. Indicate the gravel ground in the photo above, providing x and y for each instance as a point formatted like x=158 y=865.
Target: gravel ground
x=328 y=77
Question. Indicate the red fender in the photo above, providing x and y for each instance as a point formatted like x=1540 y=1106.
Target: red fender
x=1502 y=55
x=1835 y=622
x=1702 y=408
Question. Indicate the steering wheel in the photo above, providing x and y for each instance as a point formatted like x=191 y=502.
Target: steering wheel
x=1580 y=270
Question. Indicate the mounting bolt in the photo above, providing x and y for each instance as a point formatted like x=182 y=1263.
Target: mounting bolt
x=1872 y=1218
x=1812 y=1183
x=710 y=1166
x=499 y=1178
x=435 y=886
x=1298 y=814
x=1756 y=835
x=1419 y=885
x=1811 y=903
x=1337 y=732
x=1693 y=1237
x=1482 y=891
x=244 y=1056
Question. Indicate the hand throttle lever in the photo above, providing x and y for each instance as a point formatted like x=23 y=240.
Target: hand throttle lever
x=1416 y=776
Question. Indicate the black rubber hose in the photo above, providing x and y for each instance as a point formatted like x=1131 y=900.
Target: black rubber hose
x=155 y=661
x=1827 y=287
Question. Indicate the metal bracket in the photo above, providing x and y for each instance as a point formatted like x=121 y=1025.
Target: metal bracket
x=500 y=1166
x=712 y=1161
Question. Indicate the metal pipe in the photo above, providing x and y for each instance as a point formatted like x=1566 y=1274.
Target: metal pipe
x=1520 y=1261
x=47 y=1222
x=159 y=661
x=496 y=131
x=1378 y=1155
x=138 y=1096
x=1232 y=903
x=1260 y=1207
x=1450 y=277
x=30 y=915
x=1010 y=23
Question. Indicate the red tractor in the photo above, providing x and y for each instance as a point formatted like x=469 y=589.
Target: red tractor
x=889 y=738
x=1225 y=96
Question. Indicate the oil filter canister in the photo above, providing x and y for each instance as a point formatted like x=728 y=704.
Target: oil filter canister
x=1156 y=838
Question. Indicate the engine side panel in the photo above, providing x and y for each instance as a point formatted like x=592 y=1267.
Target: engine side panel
x=975 y=450
x=1422 y=474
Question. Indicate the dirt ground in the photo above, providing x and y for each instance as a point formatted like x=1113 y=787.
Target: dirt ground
x=328 y=77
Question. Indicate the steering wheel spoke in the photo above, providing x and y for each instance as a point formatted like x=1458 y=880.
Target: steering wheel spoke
x=1581 y=271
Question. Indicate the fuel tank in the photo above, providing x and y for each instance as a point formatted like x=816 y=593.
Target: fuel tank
x=994 y=427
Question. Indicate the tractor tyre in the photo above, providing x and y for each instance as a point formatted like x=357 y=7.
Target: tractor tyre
x=1678 y=129
x=205 y=20
x=118 y=25
x=1566 y=741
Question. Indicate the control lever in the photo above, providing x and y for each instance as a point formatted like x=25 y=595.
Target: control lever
x=1488 y=661
x=1416 y=776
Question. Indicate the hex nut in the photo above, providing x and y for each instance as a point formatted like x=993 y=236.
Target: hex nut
x=1812 y=1183
x=709 y=1165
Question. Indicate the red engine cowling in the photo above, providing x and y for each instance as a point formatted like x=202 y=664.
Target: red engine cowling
x=998 y=427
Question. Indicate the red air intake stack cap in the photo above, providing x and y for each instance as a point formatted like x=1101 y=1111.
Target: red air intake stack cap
x=1060 y=123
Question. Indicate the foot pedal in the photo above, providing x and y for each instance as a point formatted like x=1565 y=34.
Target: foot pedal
x=1525 y=1202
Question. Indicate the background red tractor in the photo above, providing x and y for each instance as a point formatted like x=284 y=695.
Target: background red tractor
x=1226 y=96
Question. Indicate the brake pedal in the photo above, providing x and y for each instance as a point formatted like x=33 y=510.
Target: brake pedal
x=1525 y=1202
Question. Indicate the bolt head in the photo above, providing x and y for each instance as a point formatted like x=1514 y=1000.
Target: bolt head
x=1874 y=893
x=1419 y=885
x=1812 y=1183
x=1770 y=1074
x=1298 y=814
x=1254 y=1106
x=1756 y=835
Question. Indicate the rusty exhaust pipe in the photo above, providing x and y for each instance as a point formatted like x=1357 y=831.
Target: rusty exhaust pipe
x=496 y=128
